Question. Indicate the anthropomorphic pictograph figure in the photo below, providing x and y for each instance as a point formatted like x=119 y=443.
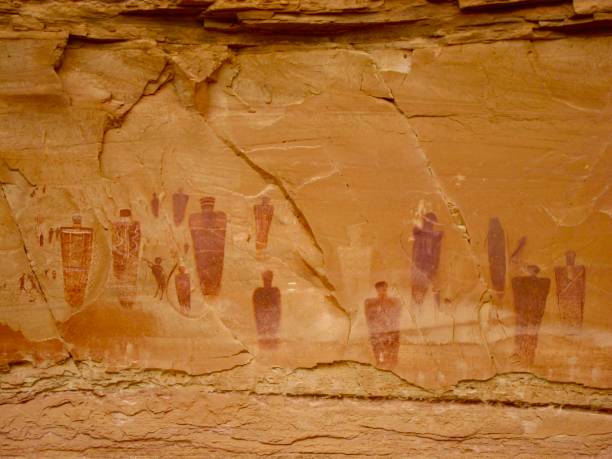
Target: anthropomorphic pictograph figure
x=530 y=293
x=76 y=248
x=182 y=283
x=208 y=229
x=425 y=257
x=179 y=206
x=126 y=249
x=267 y=309
x=383 y=319
x=571 y=286
x=264 y=212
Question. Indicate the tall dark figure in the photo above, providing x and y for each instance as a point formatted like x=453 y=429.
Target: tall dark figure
x=425 y=257
x=267 y=309
x=530 y=293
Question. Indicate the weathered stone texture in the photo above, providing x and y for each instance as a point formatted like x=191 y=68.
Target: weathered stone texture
x=376 y=228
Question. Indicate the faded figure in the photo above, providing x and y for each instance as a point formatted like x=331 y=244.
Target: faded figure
x=530 y=293
x=267 y=309
x=22 y=281
x=263 y=220
x=179 y=205
x=425 y=259
x=571 y=286
x=160 y=277
x=155 y=205
x=182 y=283
x=496 y=251
x=383 y=319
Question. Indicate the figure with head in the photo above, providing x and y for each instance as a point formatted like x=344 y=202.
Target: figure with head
x=267 y=309
x=383 y=316
x=571 y=293
x=425 y=258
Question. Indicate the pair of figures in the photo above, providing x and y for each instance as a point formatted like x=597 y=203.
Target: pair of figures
x=179 y=206
x=76 y=249
x=530 y=293
x=383 y=312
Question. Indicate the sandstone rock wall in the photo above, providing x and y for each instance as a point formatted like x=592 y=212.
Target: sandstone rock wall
x=319 y=227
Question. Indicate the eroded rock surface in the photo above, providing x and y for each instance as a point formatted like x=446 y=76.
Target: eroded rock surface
x=351 y=224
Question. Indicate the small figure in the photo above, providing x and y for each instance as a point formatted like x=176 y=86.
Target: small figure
x=186 y=248
x=22 y=280
x=530 y=293
x=179 y=205
x=182 y=282
x=34 y=284
x=425 y=257
x=571 y=282
x=267 y=308
x=54 y=274
x=383 y=316
x=155 y=205
x=50 y=235
x=41 y=240
x=263 y=219
x=208 y=228
x=160 y=277
x=57 y=233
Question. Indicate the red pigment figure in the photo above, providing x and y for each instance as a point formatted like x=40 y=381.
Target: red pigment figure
x=76 y=244
x=41 y=240
x=50 y=236
x=496 y=245
x=54 y=274
x=530 y=293
x=22 y=280
x=126 y=247
x=383 y=317
x=571 y=282
x=179 y=205
x=182 y=282
x=267 y=307
x=208 y=229
x=155 y=205
x=160 y=277
x=425 y=257
x=263 y=219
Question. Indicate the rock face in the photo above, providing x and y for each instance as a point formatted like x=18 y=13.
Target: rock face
x=339 y=227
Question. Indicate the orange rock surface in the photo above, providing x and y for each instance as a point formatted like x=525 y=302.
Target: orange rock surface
x=292 y=228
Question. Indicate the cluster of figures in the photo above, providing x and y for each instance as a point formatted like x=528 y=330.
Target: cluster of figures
x=529 y=292
x=208 y=232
